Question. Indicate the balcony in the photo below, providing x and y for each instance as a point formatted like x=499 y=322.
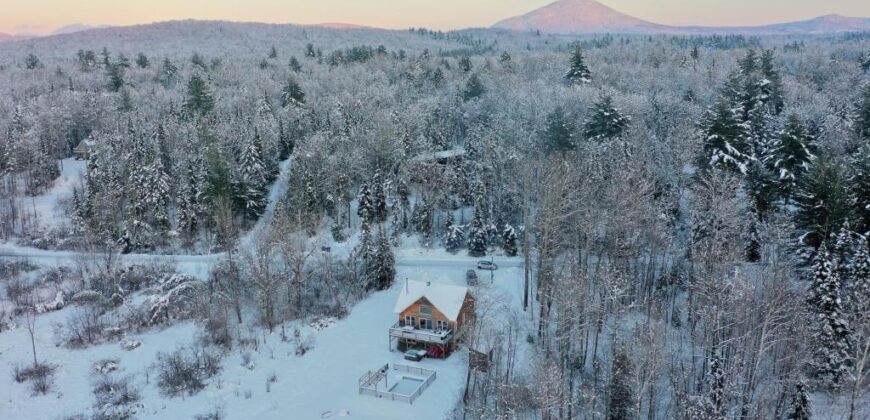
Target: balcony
x=408 y=332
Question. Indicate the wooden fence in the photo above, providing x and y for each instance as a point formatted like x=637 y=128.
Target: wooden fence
x=368 y=382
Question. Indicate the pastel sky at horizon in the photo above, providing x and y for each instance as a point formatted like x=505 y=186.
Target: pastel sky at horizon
x=43 y=16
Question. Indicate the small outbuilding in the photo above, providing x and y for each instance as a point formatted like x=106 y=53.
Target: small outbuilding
x=431 y=317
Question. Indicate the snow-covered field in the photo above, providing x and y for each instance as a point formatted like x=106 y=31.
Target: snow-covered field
x=323 y=382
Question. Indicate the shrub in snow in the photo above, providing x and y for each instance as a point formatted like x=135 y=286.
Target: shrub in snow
x=105 y=366
x=115 y=398
x=54 y=305
x=88 y=297
x=186 y=370
x=84 y=326
x=215 y=414
x=40 y=376
x=176 y=298
x=216 y=331
x=130 y=344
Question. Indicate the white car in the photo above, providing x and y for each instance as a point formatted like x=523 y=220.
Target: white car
x=486 y=265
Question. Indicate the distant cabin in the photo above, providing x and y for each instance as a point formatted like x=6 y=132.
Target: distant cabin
x=84 y=149
x=431 y=317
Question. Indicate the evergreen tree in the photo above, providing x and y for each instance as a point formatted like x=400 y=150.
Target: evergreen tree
x=605 y=121
x=125 y=101
x=792 y=154
x=559 y=133
x=295 y=65
x=859 y=183
x=464 y=64
x=858 y=302
x=254 y=176
x=831 y=330
x=292 y=93
x=800 y=404
x=454 y=234
x=726 y=139
x=378 y=199
x=477 y=235
x=620 y=405
x=115 y=73
x=381 y=267
x=509 y=241
x=422 y=219
x=199 y=99
x=865 y=62
x=309 y=51
x=862 y=115
x=578 y=73
x=32 y=62
x=771 y=83
x=365 y=203
x=716 y=383
x=142 y=61
x=273 y=52
x=168 y=74
x=473 y=88
x=823 y=202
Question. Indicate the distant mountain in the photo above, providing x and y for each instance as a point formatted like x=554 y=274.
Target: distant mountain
x=341 y=25
x=590 y=16
x=75 y=27
x=8 y=37
x=578 y=16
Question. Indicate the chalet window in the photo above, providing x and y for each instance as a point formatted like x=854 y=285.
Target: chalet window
x=425 y=324
x=410 y=320
x=425 y=310
x=442 y=325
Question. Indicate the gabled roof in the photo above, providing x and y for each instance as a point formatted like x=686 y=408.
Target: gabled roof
x=448 y=299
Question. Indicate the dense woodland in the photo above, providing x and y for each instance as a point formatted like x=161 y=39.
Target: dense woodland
x=692 y=212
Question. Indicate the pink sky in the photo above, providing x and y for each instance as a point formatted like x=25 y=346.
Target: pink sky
x=41 y=16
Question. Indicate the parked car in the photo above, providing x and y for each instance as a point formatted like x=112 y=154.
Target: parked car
x=471 y=277
x=415 y=355
x=486 y=265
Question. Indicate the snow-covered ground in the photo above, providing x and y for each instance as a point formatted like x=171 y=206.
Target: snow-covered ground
x=324 y=380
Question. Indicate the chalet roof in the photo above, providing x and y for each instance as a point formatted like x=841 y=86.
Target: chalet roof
x=448 y=299
x=444 y=154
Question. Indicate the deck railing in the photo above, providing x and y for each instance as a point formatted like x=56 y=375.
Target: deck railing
x=428 y=336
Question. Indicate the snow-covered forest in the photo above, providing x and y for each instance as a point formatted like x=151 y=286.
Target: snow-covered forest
x=196 y=217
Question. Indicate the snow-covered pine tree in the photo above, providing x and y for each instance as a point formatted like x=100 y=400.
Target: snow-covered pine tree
x=862 y=115
x=292 y=93
x=771 y=83
x=858 y=302
x=620 y=405
x=474 y=88
x=800 y=404
x=859 y=183
x=477 y=235
x=823 y=202
x=509 y=240
x=791 y=154
x=716 y=382
x=365 y=203
x=559 y=132
x=578 y=72
x=253 y=176
x=605 y=121
x=199 y=98
x=382 y=265
x=831 y=335
x=379 y=199
x=726 y=138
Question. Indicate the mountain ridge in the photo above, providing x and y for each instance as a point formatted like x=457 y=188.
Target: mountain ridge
x=591 y=16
